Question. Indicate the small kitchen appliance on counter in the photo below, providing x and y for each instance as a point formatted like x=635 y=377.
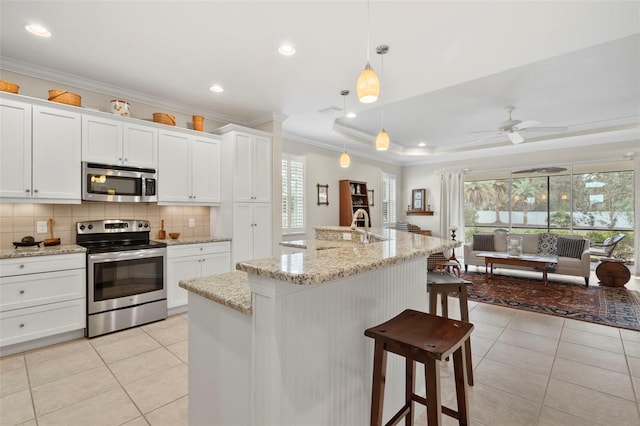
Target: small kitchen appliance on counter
x=126 y=274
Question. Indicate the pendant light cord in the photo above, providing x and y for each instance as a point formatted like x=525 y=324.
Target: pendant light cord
x=381 y=87
x=368 y=30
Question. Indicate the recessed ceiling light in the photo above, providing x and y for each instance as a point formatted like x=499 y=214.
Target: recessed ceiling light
x=216 y=88
x=351 y=115
x=422 y=144
x=38 y=30
x=287 y=50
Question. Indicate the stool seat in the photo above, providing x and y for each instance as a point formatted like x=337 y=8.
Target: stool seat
x=424 y=338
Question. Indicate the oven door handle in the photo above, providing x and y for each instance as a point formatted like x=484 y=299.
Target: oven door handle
x=126 y=255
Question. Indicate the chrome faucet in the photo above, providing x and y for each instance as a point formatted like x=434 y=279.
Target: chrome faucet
x=356 y=215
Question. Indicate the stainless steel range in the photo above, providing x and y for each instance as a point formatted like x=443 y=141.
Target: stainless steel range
x=126 y=274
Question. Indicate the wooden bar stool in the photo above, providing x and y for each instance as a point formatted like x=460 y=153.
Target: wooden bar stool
x=428 y=339
x=443 y=284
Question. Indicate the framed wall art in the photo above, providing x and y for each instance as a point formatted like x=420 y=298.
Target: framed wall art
x=323 y=194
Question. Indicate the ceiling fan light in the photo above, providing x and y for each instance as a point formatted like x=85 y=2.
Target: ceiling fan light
x=382 y=141
x=345 y=160
x=515 y=137
x=368 y=85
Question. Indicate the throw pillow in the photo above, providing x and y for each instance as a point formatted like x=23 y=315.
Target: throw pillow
x=483 y=242
x=570 y=247
x=547 y=244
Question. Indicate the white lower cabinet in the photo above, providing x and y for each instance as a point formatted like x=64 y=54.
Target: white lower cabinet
x=188 y=261
x=41 y=296
x=251 y=231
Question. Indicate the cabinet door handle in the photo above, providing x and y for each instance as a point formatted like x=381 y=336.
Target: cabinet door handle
x=21 y=266
x=27 y=191
x=21 y=325
x=120 y=159
x=21 y=291
x=126 y=159
x=35 y=190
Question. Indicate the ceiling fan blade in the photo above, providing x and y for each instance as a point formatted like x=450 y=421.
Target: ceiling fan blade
x=515 y=137
x=525 y=125
x=494 y=135
x=546 y=129
x=484 y=131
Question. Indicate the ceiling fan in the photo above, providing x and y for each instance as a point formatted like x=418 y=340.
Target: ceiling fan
x=542 y=170
x=512 y=128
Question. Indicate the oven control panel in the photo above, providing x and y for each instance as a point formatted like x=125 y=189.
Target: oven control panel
x=112 y=226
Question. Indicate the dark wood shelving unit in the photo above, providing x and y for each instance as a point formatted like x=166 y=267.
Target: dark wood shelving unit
x=353 y=196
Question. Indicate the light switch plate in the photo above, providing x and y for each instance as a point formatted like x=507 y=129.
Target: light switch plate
x=192 y=223
x=41 y=227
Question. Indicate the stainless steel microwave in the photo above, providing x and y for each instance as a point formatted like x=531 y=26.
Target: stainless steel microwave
x=103 y=182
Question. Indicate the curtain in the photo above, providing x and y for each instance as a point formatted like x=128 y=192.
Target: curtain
x=452 y=204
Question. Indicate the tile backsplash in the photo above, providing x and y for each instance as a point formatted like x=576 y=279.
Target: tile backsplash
x=19 y=220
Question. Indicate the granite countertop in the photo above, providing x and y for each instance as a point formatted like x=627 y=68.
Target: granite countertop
x=230 y=289
x=327 y=260
x=41 y=251
x=192 y=240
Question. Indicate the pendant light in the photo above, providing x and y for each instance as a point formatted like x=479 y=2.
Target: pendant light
x=368 y=85
x=382 y=140
x=345 y=160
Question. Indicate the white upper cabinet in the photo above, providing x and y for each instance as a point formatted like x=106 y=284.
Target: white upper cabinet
x=39 y=153
x=15 y=149
x=205 y=173
x=252 y=168
x=189 y=169
x=112 y=141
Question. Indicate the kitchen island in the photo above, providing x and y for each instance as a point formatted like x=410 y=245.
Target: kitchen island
x=299 y=356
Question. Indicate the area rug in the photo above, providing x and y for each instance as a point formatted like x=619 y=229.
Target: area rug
x=615 y=306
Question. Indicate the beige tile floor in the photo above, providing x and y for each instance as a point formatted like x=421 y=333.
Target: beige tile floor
x=530 y=369
x=133 y=377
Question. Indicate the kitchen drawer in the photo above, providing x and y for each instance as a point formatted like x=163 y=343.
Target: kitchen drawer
x=198 y=249
x=23 y=291
x=21 y=325
x=38 y=264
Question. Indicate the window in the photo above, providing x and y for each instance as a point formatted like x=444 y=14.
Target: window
x=593 y=200
x=388 y=199
x=293 y=216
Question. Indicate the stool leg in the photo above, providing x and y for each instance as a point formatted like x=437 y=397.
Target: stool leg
x=459 y=361
x=433 y=301
x=444 y=296
x=409 y=385
x=434 y=403
x=464 y=315
x=377 y=389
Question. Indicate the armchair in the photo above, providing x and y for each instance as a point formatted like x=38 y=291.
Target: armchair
x=605 y=248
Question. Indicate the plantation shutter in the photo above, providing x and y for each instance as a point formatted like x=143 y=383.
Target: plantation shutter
x=388 y=199
x=293 y=194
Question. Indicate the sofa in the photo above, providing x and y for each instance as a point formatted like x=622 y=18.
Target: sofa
x=572 y=251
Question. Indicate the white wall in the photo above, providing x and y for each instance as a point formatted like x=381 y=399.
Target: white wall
x=322 y=167
x=418 y=177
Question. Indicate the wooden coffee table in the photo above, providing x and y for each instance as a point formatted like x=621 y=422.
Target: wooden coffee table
x=528 y=260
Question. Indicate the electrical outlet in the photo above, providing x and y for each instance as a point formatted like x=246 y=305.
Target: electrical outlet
x=346 y=236
x=41 y=227
x=192 y=223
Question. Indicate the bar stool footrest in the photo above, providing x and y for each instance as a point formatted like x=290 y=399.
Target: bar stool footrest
x=399 y=415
